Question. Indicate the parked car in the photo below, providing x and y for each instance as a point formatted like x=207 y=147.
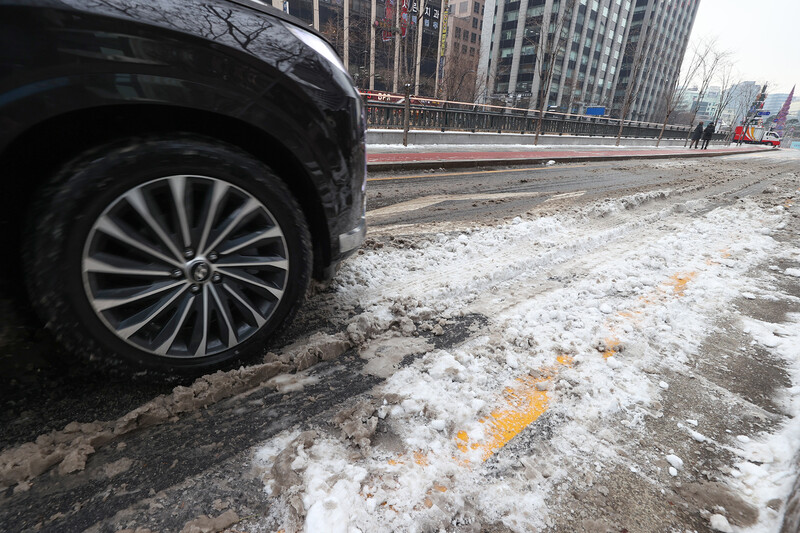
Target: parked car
x=173 y=173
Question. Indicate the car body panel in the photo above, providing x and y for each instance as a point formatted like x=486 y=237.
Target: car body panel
x=219 y=57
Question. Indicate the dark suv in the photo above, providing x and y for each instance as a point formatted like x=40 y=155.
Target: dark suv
x=173 y=172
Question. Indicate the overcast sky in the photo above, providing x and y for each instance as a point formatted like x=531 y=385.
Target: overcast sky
x=761 y=35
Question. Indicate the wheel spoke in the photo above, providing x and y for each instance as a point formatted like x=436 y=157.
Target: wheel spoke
x=177 y=185
x=225 y=312
x=125 y=297
x=135 y=198
x=260 y=320
x=110 y=228
x=200 y=351
x=173 y=327
x=218 y=191
x=250 y=239
x=252 y=280
x=245 y=261
x=102 y=264
x=232 y=221
x=138 y=321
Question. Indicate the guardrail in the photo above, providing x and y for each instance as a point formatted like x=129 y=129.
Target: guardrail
x=459 y=116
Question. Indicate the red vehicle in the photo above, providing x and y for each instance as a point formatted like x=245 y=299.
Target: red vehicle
x=756 y=135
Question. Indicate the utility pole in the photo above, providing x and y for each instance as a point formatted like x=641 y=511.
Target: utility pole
x=418 y=54
x=396 y=31
x=406 y=113
x=372 y=47
x=316 y=15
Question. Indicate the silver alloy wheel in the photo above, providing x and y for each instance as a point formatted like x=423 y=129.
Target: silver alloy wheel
x=185 y=266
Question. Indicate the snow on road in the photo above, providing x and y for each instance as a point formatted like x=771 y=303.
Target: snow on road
x=589 y=317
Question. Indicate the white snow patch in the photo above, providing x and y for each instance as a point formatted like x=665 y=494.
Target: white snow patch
x=675 y=461
x=643 y=298
x=718 y=522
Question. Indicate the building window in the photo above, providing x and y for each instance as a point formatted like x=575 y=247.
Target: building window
x=458 y=32
x=463 y=7
x=472 y=50
x=463 y=48
x=535 y=11
x=473 y=37
x=476 y=7
x=474 y=22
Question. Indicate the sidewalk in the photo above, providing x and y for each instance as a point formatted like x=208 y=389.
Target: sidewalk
x=419 y=157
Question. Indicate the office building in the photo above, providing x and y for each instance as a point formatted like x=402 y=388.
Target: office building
x=654 y=52
x=595 y=63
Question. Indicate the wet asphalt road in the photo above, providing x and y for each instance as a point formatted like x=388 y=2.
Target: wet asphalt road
x=43 y=389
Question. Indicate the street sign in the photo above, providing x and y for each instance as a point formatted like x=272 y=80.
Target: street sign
x=598 y=111
x=763 y=113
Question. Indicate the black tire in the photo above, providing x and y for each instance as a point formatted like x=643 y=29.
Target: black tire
x=74 y=261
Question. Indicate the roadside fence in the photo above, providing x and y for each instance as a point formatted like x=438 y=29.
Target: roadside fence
x=430 y=114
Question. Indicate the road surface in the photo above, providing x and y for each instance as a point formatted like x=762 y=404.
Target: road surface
x=582 y=347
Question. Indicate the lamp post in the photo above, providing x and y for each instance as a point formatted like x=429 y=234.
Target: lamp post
x=406 y=113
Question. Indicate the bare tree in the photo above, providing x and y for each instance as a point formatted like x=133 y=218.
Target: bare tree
x=726 y=93
x=711 y=58
x=459 y=77
x=550 y=43
x=743 y=97
x=677 y=91
x=637 y=51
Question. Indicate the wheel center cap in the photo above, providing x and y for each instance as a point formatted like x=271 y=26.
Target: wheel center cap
x=200 y=271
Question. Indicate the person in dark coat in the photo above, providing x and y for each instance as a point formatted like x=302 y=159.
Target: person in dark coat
x=696 y=135
x=707 y=133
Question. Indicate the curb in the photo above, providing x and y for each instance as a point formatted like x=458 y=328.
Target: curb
x=384 y=166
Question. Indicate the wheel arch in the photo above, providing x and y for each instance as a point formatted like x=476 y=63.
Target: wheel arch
x=64 y=136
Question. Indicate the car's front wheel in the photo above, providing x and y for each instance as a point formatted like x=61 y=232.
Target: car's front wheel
x=170 y=252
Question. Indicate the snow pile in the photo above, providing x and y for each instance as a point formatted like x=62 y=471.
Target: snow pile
x=582 y=319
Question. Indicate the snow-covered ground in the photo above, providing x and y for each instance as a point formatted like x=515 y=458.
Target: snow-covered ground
x=593 y=323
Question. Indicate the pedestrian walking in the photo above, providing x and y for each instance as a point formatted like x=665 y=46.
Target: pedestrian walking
x=707 y=133
x=696 y=135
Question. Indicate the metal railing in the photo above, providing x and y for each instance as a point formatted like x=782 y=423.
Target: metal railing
x=458 y=116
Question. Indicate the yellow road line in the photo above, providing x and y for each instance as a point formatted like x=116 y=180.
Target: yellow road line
x=524 y=402
x=471 y=172
x=527 y=399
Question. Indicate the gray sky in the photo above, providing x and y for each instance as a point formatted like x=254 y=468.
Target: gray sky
x=761 y=35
